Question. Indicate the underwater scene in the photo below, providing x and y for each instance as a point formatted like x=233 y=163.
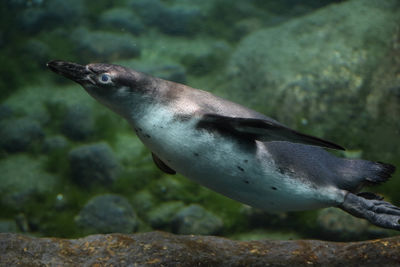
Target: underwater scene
x=71 y=167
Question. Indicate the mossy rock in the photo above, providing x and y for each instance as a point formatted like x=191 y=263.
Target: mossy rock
x=23 y=180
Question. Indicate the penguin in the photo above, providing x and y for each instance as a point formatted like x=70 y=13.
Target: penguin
x=234 y=150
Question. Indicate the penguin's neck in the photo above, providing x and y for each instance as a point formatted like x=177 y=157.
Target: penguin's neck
x=152 y=105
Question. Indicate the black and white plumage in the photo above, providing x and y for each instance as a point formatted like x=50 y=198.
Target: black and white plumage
x=234 y=150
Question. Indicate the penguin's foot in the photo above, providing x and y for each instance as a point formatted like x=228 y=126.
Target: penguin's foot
x=377 y=211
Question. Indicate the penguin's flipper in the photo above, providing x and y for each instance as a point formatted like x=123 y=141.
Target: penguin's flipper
x=264 y=130
x=161 y=165
x=376 y=211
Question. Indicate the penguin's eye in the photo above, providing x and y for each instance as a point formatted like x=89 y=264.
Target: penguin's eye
x=105 y=78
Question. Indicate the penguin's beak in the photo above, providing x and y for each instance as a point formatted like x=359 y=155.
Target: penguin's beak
x=76 y=72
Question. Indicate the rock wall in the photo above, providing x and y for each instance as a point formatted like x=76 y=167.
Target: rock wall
x=163 y=249
x=315 y=72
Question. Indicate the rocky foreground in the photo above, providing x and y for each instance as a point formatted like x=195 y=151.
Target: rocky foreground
x=164 y=249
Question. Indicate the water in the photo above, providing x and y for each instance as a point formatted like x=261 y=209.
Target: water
x=326 y=68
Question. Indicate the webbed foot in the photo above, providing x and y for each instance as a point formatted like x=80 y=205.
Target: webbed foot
x=377 y=211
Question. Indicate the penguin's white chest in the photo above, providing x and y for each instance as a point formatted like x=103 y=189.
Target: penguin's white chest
x=241 y=170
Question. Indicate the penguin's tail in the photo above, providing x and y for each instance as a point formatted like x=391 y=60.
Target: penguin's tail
x=357 y=173
x=379 y=172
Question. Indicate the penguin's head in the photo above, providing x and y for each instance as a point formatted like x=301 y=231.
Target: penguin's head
x=117 y=87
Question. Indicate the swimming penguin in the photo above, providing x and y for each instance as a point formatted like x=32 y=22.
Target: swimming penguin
x=234 y=150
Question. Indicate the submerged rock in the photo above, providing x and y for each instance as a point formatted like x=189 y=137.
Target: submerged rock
x=104 y=46
x=316 y=67
x=163 y=214
x=18 y=134
x=121 y=19
x=194 y=219
x=93 y=164
x=78 y=122
x=169 y=188
x=107 y=214
x=54 y=143
x=176 y=19
x=207 y=61
x=143 y=201
x=163 y=249
x=23 y=180
x=38 y=17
